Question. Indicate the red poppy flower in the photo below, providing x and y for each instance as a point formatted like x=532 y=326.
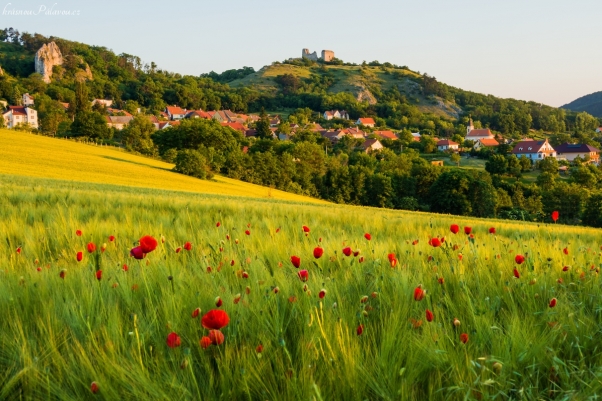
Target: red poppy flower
x=467 y=230
x=555 y=215
x=418 y=293
x=322 y=293
x=179 y=249
x=415 y=242
x=519 y=259
x=78 y=233
x=148 y=244
x=368 y=236
x=245 y=274
x=565 y=269
x=125 y=268
x=188 y=246
x=492 y=230
x=215 y=319
x=91 y=247
x=62 y=273
x=94 y=388
x=98 y=275
x=305 y=229
x=218 y=224
x=303 y=275
x=173 y=340
x=360 y=329
x=195 y=313
x=216 y=337
x=441 y=280
x=356 y=253
x=111 y=238
x=392 y=259
x=429 y=316
x=361 y=259
x=205 y=342
x=516 y=273
x=218 y=302
x=137 y=253
x=318 y=252
x=464 y=338
x=347 y=251
x=454 y=228
x=565 y=251
x=248 y=232
x=435 y=242
x=259 y=349
x=19 y=250
x=296 y=261
x=552 y=303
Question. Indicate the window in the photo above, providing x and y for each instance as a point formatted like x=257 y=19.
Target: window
x=530 y=148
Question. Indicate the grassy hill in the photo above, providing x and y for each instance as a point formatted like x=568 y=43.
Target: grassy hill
x=39 y=156
x=591 y=104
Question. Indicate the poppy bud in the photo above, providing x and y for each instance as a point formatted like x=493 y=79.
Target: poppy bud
x=374 y=294
x=94 y=388
x=552 y=303
x=103 y=247
x=565 y=251
x=368 y=236
x=497 y=368
x=218 y=302
x=418 y=293
x=259 y=349
x=464 y=338
x=440 y=280
x=429 y=316
x=62 y=273
x=361 y=259
x=195 y=313
x=296 y=261
x=364 y=299
x=456 y=322
x=248 y=232
x=80 y=256
x=245 y=274
x=565 y=268
x=78 y=233
x=276 y=290
x=218 y=224
x=492 y=230
x=467 y=230
x=516 y=273
x=322 y=293
x=248 y=290
x=303 y=275
x=305 y=229
x=237 y=298
x=360 y=329
x=188 y=246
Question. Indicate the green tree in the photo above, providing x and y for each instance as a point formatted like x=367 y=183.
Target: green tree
x=549 y=165
x=455 y=158
x=136 y=136
x=514 y=167
x=449 y=194
x=525 y=163
x=191 y=162
x=592 y=213
x=263 y=126
x=16 y=97
x=90 y=124
x=497 y=164
x=82 y=102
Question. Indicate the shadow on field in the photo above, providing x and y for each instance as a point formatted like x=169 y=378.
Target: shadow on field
x=132 y=162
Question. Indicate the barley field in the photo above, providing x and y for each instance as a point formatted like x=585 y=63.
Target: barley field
x=125 y=291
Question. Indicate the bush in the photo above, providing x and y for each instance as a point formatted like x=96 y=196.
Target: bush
x=191 y=162
x=170 y=155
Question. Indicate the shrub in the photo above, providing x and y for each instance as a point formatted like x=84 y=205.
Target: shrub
x=191 y=162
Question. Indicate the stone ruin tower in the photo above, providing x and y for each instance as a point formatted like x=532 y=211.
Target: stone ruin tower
x=327 y=55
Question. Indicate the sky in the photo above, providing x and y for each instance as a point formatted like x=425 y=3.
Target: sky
x=547 y=51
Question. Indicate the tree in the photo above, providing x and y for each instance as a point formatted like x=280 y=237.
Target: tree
x=592 y=213
x=82 y=103
x=525 y=163
x=16 y=99
x=262 y=126
x=449 y=194
x=90 y=124
x=514 y=167
x=455 y=158
x=549 y=165
x=136 y=136
x=497 y=164
x=191 y=162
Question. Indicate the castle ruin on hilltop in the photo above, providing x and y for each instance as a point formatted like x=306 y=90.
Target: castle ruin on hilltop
x=327 y=55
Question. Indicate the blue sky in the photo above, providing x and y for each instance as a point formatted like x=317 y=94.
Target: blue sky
x=543 y=50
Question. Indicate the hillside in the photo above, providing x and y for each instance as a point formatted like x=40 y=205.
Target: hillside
x=38 y=156
x=591 y=104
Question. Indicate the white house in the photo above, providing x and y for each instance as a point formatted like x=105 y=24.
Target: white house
x=473 y=134
x=446 y=144
x=534 y=150
x=27 y=100
x=371 y=145
x=104 y=102
x=571 y=151
x=175 y=112
x=366 y=122
x=416 y=136
x=118 y=122
x=16 y=115
x=330 y=114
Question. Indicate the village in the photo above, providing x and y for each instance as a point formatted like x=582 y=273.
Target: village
x=363 y=128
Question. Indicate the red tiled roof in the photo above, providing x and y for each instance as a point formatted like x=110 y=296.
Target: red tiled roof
x=235 y=126
x=175 y=110
x=386 y=134
x=366 y=121
x=528 y=146
x=479 y=132
x=17 y=110
x=488 y=142
x=446 y=142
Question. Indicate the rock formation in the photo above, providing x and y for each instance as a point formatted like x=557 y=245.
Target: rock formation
x=47 y=57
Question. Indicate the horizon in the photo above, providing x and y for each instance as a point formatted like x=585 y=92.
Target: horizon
x=520 y=55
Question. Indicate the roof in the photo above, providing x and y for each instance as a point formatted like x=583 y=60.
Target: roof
x=117 y=111
x=369 y=143
x=575 y=148
x=236 y=126
x=119 y=119
x=528 y=146
x=65 y=105
x=488 y=142
x=446 y=142
x=386 y=134
x=17 y=110
x=251 y=132
x=198 y=114
x=175 y=110
x=479 y=132
x=153 y=119
x=366 y=121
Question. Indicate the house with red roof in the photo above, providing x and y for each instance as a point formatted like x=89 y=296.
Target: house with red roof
x=366 y=122
x=175 y=112
x=198 y=114
x=534 y=150
x=371 y=145
x=235 y=126
x=446 y=144
x=485 y=143
x=330 y=114
x=27 y=100
x=118 y=122
x=386 y=135
x=570 y=151
x=16 y=115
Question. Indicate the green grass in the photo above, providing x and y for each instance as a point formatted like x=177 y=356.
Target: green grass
x=58 y=335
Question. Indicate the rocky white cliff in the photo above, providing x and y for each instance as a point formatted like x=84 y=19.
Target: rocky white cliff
x=47 y=57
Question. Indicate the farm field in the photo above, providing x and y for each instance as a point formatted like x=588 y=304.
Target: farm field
x=25 y=154
x=396 y=319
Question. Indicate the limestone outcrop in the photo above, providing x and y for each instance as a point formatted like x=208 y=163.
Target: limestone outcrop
x=47 y=57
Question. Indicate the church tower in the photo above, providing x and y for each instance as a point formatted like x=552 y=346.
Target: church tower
x=470 y=126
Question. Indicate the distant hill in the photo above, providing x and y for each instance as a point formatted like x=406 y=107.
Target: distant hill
x=591 y=104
